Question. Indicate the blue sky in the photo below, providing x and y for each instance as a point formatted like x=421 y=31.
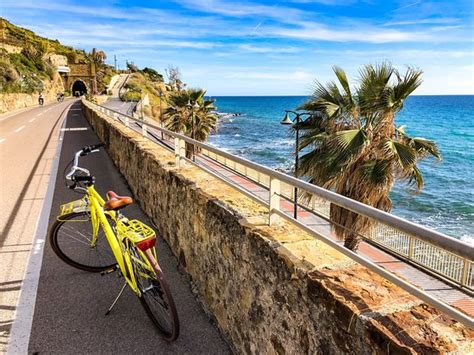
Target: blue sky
x=267 y=47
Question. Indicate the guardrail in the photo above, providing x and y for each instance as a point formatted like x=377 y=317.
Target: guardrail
x=120 y=95
x=430 y=250
x=436 y=258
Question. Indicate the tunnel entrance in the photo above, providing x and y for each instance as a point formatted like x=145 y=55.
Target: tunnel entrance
x=79 y=88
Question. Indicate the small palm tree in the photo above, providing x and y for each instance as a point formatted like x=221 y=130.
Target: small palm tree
x=355 y=147
x=188 y=112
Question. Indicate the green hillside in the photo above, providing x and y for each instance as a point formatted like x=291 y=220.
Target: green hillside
x=25 y=60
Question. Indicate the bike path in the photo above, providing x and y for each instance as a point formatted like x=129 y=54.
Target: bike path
x=70 y=305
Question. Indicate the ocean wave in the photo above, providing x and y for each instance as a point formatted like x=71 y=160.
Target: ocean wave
x=227 y=114
x=468 y=239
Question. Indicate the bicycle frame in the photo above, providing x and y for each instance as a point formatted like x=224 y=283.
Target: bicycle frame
x=119 y=241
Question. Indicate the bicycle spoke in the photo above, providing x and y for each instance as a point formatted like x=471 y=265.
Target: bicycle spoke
x=73 y=241
x=154 y=298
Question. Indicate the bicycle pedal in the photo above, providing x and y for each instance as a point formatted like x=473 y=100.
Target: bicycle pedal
x=109 y=271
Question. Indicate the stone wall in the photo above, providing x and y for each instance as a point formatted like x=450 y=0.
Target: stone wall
x=271 y=290
x=57 y=60
x=14 y=101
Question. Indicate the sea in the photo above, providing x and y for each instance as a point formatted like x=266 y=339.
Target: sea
x=250 y=127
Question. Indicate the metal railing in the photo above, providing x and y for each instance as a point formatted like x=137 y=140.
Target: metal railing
x=430 y=250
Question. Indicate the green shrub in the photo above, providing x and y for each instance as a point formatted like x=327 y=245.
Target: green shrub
x=8 y=73
x=133 y=86
x=131 y=96
x=153 y=74
x=31 y=84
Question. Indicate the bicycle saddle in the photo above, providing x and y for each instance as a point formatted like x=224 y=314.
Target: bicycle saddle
x=116 y=202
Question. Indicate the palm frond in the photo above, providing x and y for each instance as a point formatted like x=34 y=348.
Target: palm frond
x=405 y=86
x=424 y=147
x=404 y=155
x=342 y=77
x=416 y=178
x=350 y=140
x=377 y=172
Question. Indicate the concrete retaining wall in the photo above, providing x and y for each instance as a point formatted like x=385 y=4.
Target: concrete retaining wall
x=271 y=290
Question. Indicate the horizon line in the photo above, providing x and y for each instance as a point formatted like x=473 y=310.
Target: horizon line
x=307 y=95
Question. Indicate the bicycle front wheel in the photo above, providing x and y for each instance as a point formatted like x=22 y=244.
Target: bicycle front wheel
x=156 y=296
x=71 y=240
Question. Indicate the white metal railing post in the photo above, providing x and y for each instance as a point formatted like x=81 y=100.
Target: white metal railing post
x=179 y=151
x=411 y=247
x=274 y=200
x=465 y=272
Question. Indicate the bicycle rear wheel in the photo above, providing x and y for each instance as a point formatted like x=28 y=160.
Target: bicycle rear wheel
x=70 y=239
x=156 y=296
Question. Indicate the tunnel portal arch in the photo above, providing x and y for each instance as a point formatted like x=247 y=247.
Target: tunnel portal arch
x=79 y=88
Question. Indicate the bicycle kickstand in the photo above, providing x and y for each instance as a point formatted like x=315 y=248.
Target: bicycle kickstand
x=116 y=299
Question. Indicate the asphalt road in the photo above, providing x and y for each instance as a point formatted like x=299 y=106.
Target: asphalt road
x=116 y=104
x=120 y=106
x=28 y=141
x=70 y=304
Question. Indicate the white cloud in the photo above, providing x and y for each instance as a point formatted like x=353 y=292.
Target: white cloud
x=310 y=31
x=244 y=9
x=271 y=50
x=426 y=21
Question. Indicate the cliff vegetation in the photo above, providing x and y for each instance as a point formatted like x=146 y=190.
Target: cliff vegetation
x=28 y=61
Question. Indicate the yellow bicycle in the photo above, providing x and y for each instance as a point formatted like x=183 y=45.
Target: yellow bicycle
x=93 y=235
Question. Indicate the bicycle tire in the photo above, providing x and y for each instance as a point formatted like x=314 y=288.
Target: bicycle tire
x=71 y=250
x=158 y=293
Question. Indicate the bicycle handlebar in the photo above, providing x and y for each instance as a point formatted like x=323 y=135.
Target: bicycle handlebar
x=82 y=153
x=90 y=149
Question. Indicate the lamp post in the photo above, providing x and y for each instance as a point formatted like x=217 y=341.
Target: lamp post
x=295 y=123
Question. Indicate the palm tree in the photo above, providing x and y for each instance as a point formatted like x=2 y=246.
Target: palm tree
x=355 y=147
x=188 y=112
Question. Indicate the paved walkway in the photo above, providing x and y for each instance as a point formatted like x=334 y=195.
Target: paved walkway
x=433 y=286
x=70 y=304
x=114 y=102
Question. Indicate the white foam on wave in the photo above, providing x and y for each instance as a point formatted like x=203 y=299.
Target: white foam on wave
x=468 y=239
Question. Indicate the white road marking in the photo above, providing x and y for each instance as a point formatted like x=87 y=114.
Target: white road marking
x=21 y=328
x=2 y=140
x=74 y=129
x=19 y=129
x=32 y=119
